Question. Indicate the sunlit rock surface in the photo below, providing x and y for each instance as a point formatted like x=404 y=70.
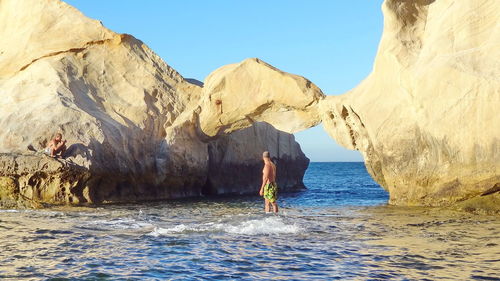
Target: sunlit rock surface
x=127 y=115
x=239 y=94
x=425 y=119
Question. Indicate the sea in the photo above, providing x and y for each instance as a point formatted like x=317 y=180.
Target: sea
x=340 y=228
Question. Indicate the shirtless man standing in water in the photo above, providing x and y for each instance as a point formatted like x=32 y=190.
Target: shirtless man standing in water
x=269 y=189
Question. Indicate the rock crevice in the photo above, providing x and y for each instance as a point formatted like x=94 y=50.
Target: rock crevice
x=76 y=50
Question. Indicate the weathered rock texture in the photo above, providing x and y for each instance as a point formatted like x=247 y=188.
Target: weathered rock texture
x=126 y=113
x=426 y=119
x=31 y=180
x=235 y=160
x=237 y=95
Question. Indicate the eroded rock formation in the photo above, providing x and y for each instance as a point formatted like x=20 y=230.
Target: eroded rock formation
x=31 y=180
x=127 y=115
x=425 y=119
x=235 y=164
x=237 y=95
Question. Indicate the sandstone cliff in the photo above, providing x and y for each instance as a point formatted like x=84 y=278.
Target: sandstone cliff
x=425 y=119
x=127 y=114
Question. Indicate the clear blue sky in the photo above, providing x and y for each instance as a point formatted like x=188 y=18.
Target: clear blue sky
x=331 y=42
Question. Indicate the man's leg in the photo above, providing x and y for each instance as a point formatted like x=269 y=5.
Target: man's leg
x=266 y=205
x=275 y=206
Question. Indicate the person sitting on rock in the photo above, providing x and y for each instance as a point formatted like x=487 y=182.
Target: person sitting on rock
x=57 y=146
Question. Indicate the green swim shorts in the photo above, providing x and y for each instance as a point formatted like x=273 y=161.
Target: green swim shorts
x=271 y=192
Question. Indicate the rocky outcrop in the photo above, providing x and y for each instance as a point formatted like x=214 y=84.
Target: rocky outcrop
x=235 y=161
x=425 y=119
x=237 y=95
x=109 y=95
x=31 y=181
x=127 y=115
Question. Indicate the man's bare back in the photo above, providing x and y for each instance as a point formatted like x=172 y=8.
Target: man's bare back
x=270 y=169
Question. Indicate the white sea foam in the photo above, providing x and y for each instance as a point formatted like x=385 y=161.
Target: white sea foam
x=9 y=211
x=121 y=223
x=269 y=225
x=176 y=229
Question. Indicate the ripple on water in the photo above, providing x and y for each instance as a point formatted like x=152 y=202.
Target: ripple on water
x=320 y=234
x=305 y=244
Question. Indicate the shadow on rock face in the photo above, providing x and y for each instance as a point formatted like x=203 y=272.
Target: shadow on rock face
x=77 y=149
x=235 y=161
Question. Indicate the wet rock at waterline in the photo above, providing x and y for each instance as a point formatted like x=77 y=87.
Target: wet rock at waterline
x=32 y=180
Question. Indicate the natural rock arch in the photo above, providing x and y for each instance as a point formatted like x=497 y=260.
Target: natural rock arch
x=425 y=120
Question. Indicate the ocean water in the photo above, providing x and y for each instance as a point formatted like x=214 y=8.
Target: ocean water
x=339 y=229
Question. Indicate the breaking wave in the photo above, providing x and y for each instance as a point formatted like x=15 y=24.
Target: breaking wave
x=269 y=226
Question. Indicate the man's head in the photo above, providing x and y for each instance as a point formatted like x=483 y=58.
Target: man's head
x=266 y=155
x=58 y=137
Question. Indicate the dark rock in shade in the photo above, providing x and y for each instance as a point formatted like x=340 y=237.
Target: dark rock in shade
x=234 y=166
x=194 y=82
x=235 y=161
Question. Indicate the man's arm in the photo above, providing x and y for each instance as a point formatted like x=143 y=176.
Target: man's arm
x=51 y=144
x=265 y=178
x=60 y=144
